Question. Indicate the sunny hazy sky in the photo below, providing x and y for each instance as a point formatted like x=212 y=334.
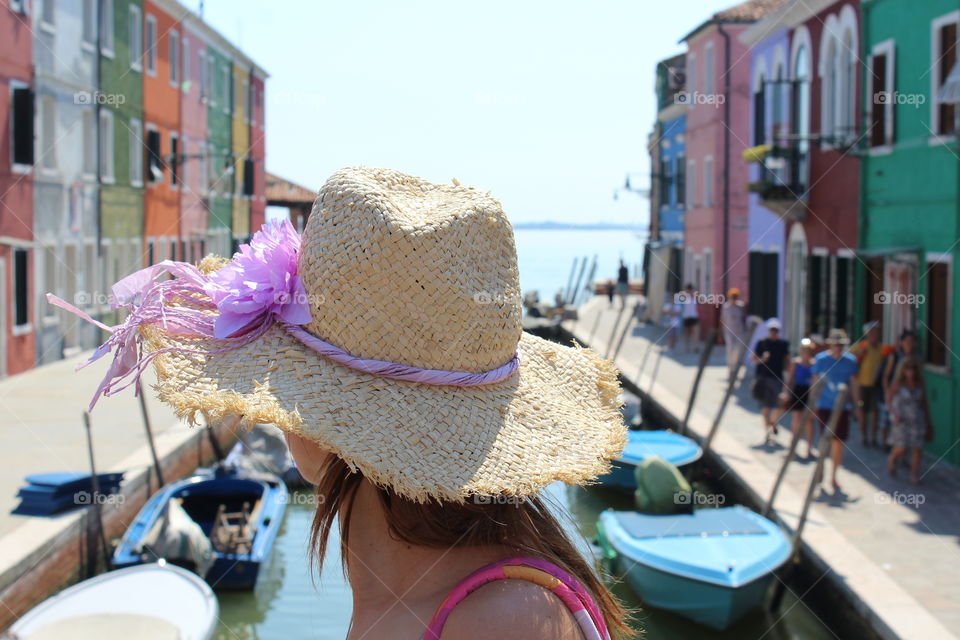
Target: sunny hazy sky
x=546 y=104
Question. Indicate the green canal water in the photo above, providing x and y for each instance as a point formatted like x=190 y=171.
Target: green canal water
x=288 y=605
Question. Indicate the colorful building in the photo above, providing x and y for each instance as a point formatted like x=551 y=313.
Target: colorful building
x=219 y=148
x=194 y=183
x=257 y=168
x=65 y=189
x=162 y=71
x=17 y=254
x=718 y=90
x=910 y=196
x=240 y=141
x=769 y=125
x=664 y=252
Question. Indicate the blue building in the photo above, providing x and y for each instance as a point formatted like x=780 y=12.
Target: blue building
x=672 y=175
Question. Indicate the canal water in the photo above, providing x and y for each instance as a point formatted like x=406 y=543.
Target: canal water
x=287 y=603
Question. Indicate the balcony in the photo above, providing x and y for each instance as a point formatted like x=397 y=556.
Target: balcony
x=780 y=186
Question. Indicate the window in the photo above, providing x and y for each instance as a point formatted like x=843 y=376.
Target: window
x=89 y=23
x=664 y=182
x=89 y=145
x=21 y=138
x=135 y=32
x=225 y=88
x=173 y=47
x=213 y=79
x=707 y=285
x=136 y=152
x=151 y=51
x=708 y=181
x=830 y=88
x=180 y=160
x=174 y=160
x=691 y=196
x=211 y=172
x=106 y=146
x=944 y=52
x=155 y=167
x=759 y=111
x=800 y=112
x=708 y=70
x=47 y=12
x=203 y=183
x=185 y=76
x=938 y=310
x=881 y=94
x=681 y=179
x=106 y=27
x=248 y=177
x=780 y=88
x=48 y=133
x=21 y=294
x=19 y=6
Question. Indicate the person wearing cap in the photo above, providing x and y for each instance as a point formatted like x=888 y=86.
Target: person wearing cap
x=870 y=354
x=836 y=367
x=770 y=356
x=387 y=343
x=733 y=322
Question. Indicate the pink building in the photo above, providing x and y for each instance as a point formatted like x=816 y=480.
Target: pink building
x=193 y=131
x=718 y=130
x=17 y=337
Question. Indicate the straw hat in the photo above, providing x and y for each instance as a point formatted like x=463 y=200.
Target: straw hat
x=424 y=276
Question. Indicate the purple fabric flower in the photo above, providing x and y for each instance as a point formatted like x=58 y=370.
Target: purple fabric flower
x=261 y=278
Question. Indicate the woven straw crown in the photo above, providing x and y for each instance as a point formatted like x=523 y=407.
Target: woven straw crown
x=406 y=271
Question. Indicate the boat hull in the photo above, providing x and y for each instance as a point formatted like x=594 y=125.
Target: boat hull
x=676 y=449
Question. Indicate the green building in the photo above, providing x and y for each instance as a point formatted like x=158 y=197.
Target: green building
x=120 y=107
x=910 y=209
x=220 y=152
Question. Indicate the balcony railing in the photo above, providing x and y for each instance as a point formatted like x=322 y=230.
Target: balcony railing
x=781 y=185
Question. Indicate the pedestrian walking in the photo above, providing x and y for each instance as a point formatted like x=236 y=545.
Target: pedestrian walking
x=690 y=313
x=733 y=317
x=906 y=350
x=611 y=289
x=770 y=356
x=671 y=320
x=623 y=283
x=910 y=414
x=836 y=367
x=797 y=400
x=870 y=354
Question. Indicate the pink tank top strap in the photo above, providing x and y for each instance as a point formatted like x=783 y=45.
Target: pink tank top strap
x=546 y=574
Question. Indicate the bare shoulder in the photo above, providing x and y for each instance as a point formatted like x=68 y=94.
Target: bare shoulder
x=511 y=610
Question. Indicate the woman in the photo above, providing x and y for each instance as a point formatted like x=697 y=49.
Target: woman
x=910 y=415
x=388 y=345
x=799 y=376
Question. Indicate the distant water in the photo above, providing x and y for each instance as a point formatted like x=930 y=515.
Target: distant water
x=546 y=256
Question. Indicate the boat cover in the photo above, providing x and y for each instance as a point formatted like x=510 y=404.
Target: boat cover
x=708 y=522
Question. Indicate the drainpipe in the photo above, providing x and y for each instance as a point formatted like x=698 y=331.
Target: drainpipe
x=726 y=157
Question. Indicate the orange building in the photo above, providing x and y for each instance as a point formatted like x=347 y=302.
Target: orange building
x=162 y=79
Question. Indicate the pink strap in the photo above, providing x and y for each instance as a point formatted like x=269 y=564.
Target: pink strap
x=548 y=575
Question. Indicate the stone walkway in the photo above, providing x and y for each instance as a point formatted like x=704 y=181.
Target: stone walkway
x=893 y=545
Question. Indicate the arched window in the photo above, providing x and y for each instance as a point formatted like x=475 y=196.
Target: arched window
x=800 y=113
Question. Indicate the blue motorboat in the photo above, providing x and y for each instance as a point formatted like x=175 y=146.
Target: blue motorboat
x=676 y=449
x=220 y=523
x=709 y=565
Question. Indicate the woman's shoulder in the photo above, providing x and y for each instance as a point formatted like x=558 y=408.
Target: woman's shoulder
x=511 y=610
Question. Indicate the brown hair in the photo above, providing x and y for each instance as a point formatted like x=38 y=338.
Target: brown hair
x=900 y=375
x=526 y=525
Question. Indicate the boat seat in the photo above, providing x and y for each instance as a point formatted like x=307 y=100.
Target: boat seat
x=233 y=532
x=661 y=488
x=705 y=522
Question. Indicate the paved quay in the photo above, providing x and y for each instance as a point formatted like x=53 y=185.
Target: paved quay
x=41 y=430
x=890 y=547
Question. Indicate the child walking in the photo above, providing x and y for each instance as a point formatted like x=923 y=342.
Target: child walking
x=911 y=424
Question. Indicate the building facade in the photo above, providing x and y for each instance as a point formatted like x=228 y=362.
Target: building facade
x=257 y=168
x=194 y=181
x=17 y=253
x=219 y=151
x=910 y=195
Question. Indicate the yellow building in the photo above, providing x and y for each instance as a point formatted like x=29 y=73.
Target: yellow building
x=241 y=151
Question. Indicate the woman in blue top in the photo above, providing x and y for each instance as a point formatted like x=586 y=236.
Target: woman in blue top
x=799 y=376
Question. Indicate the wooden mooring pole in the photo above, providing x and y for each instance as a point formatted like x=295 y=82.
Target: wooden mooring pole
x=731 y=384
x=704 y=358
